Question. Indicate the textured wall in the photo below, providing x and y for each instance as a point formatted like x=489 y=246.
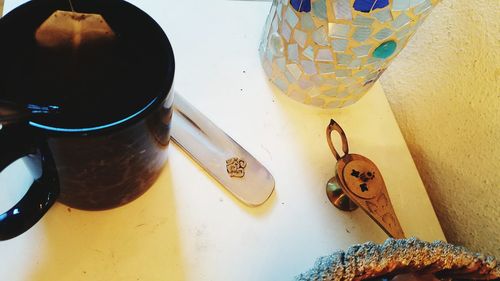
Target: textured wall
x=445 y=93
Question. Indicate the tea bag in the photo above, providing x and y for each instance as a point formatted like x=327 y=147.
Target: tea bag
x=65 y=29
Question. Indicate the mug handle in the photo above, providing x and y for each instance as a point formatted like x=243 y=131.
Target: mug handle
x=16 y=142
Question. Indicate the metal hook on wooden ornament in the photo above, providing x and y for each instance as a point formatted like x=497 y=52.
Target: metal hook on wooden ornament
x=358 y=182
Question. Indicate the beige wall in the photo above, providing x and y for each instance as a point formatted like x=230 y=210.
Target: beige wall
x=444 y=90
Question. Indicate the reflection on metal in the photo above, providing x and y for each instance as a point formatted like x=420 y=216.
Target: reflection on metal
x=221 y=157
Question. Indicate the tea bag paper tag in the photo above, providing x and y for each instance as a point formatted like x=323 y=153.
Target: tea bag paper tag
x=65 y=29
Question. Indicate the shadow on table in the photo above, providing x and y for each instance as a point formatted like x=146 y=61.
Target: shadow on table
x=138 y=241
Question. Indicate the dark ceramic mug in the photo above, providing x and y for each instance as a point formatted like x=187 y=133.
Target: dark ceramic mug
x=106 y=143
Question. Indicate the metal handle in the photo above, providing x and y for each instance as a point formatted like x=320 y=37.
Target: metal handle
x=333 y=126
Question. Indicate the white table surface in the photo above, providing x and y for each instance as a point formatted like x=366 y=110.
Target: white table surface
x=187 y=227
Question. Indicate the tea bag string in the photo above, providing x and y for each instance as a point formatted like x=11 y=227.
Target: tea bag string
x=71 y=6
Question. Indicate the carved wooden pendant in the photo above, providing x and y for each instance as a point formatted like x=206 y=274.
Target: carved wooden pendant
x=359 y=182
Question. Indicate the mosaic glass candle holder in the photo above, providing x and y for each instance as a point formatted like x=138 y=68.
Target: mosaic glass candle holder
x=329 y=53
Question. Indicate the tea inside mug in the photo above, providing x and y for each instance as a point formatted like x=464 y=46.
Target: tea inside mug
x=109 y=73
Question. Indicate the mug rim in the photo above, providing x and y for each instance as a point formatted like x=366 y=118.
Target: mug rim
x=165 y=86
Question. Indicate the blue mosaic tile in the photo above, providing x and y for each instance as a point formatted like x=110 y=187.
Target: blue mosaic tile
x=367 y=6
x=301 y=5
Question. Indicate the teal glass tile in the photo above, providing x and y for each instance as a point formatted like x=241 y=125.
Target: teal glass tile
x=383 y=16
x=342 y=9
x=295 y=70
x=344 y=59
x=385 y=50
x=293 y=52
x=319 y=8
x=309 y=53
x=309 y=67
x=363 y=21
x=362 y=33
x=400 y=5
x=339 y=45
x=320 y=37
x=326 y=68
x=400 y=21
x=338 y=30
x=362 y=51
x=307 y=22
x=324 y=55
x=383 y=34
x=300 y=37
x=291 y=18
